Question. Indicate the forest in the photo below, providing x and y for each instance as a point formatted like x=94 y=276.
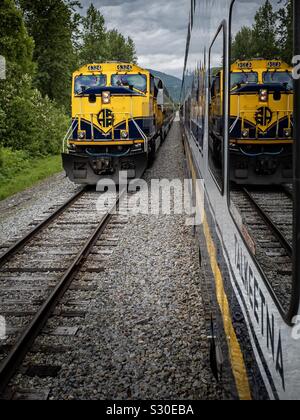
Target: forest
x=43 y=42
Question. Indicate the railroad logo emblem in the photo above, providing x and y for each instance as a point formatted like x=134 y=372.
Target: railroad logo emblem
x=263 y=116
x=105 y=118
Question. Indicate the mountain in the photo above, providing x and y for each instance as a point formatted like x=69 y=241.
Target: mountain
x=172 y=83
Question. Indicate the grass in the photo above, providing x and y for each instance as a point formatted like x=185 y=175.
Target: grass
x=35 y=170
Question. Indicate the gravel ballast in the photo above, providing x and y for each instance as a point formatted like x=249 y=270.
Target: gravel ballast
x=142 y=334
x=20 y=210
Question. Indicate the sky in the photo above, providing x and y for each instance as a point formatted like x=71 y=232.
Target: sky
x=158 y=28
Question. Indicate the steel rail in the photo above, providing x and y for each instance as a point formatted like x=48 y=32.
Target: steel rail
x=277 y=232
x=4 y=258
x=288 y=192
x=16 y=356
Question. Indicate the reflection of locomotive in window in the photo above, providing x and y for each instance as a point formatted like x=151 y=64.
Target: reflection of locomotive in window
x=261 y=121
x=216 y=117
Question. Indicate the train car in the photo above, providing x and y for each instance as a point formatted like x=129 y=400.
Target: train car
x=261 y=125
x=120 y=115
x=250 y=285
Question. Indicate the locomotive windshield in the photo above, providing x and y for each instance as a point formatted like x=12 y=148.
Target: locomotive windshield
x=282 y=77
x=84 y=83
x=136 y=81
x=243 y=77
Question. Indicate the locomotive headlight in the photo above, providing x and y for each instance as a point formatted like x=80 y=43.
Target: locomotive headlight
x=106 y=98
x=81 y=135
x=245 y=132
x=263 y=95
x=137 y=147
x=124 y=134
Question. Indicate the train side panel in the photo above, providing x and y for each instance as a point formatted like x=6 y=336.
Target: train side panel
x=249 y=327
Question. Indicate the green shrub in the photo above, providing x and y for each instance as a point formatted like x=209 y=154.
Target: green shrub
x=28 y=121
x=12 y=162
x=19 y=173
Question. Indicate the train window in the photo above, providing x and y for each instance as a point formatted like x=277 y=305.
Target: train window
x=84 y=84
x=216 y=109
x=239 y=78
x=283 y=78
x=260 y=168
x=136 y=81
x=198 y=106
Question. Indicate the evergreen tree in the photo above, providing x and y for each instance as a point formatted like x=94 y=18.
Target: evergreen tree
x=29 y=123
x=265 y=31
x=285 y=31
x=16 y=46
x=100 y=45
x=131 y=51
x=270 y=37
x=15 y=43
x=118 y=48
x=94 y=47
x=242 y=46
x=51 y=24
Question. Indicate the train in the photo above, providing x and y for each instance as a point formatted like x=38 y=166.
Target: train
x=121 y=114
x=261 y=121
x=240 y=124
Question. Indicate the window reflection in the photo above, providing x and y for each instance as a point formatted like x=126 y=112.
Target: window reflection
x=261 y=135
x=279 y=77
x=135 y=81
x=216 y=110
x=85 y=84
x=239 y=78
x=198 y=105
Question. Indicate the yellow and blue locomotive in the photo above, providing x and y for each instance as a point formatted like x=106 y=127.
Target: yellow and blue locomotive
x=261 y=121
x=120 y=115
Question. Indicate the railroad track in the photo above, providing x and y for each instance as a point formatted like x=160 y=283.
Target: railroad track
x=36 y=272
x=13 y=249
x=266 y=218
x=266 y=210
x=288 y=191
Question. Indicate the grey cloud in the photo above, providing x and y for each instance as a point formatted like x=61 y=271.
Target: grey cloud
x=108 y=2
x=158 y=29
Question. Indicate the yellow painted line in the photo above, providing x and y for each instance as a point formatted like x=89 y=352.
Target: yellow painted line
x=106 y=143
x=236 y=356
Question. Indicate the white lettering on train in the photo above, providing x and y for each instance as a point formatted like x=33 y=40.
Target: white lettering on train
x=264 y=318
